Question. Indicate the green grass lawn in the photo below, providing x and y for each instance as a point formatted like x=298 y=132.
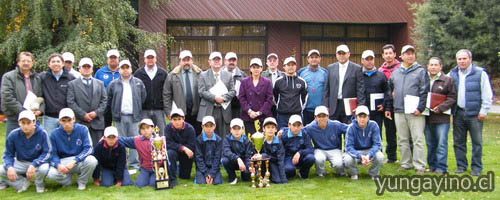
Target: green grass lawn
x=330 y=187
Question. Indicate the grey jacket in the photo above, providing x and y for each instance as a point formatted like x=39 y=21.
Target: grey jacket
x=13 y=92
x=267 y=74
x=173 y=91
x=207 y=102
x=412 y=81
x=115 y=93
x=81 y=102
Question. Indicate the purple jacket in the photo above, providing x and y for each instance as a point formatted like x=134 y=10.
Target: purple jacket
x=258 y=98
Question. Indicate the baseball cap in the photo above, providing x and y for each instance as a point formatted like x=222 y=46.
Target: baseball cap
x=295 y=118
x=343 y=48
x=124 y=62
x=176 y=111
x=150 y=52
x=406 y=48
x=367 y=53
x=214 y=55
x=256 y=61
x=185 y=53
x=26 y=114
x=110 y=130
x=313 y=51
x=68 y=56
x=146 y=121
x=230 y=55
x=269 y=120
x=321 y=110
x=113 y=52
x=208 y=119
x=289 y=59
x=85 y=61
x=272 y=54
x=66 y=112
x=236 y=122
x=362 y=110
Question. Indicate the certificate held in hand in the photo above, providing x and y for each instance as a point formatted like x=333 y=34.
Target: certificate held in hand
x=436 y=99
x=350 y=104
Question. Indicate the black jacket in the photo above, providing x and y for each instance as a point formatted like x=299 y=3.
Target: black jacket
x=154 y=88
x=290 y=94
x=113 y=159
x=54 y=92
x=375 y=83
x=177 y=139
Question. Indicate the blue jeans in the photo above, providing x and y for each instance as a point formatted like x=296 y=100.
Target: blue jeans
x=462 y=124
x=107 y=178
x=50 y=124
x=145 y=178
x=436 y=136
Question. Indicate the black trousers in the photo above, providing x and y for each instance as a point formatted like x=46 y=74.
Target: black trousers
x=391 y=138
x=185 y=164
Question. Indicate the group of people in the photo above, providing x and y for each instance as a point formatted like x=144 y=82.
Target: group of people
x=306 y=115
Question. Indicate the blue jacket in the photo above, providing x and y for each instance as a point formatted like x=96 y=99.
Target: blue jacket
x=234 y=149
x=276 y=152
x=472 y=89
x=208 y=154
x=358 y=138
x=36 y=150
x=106 y=75
x=300 y=143
x=114 y=159
x=328 y=138
x=77 y=144
x=178 y=139
x=315 y=85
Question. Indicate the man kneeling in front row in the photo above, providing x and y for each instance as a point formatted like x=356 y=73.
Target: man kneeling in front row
x=363 y=145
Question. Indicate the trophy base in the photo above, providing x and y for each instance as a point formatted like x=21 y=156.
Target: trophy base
x=162 y=185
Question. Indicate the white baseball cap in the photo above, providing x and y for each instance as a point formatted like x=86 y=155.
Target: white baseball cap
x=406 y=48
x=110 y=130
x=343 y=48
x=85 y=61
x=66 y=112
x=367 y=53
x=150 y=52
x=214 y=55
x=313 y=51
x=295 y=118
x=272 y=54
x=113 y=52
x=146 y=121
x=177 y=111
x=362 y=110
x=230 y=55
x=68 y=56
x=256 y=61
x=124 y=62
x=26 y=114
x=289 y=59
x=270 y=120
x=321 y=110
x=236 y=122
x=207 y=119
x=185 y=53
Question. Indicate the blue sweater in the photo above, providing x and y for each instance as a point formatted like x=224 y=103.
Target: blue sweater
x=328 y=138
x=358 y=138
x=36 y=150
x=315 y=83
x=77 y=144
x=300 y=143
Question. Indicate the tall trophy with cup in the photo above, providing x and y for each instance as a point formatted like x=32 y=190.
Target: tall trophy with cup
x=159 y=153
x=258 y=140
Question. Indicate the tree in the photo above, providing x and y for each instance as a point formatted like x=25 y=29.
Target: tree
x=88 y=28
x=442 y=27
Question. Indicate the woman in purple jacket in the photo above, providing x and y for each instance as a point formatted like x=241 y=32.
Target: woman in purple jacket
x=256 y=97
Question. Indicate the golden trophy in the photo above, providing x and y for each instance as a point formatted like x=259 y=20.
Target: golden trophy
x=258 y=140
x=159 y=153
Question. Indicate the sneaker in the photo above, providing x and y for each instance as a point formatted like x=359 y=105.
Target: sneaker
x=321 y=175
x=81 y=186
x=24 y=187
x=459 y=171
x=438 y=172
x=3 y=187
x=40 y=189
x=420 y=172
x=391 y=161
x=475 y=173
x=234 y=181
x=354 y=177
x=132 y=171
x=430 y=170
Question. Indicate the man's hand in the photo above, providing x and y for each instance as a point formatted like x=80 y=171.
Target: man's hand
x=295 y=159
x=30 y=173
x=388 y=115
x=219 y=99
x=279 y=133
x=241 y=165
x=92 y=114
x=37 y=113
x=365 y=160
x=188 y=152
x=70 y=165
x=87 y=117
x=11 y=174
x=62 y=169
x=481 y=117
x=209 y=180
x=253 y=115
x=417 y=113
x=436 y=110
x=380 y=107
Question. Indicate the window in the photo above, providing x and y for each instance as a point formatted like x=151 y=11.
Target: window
x=359 y=37
x=248 y=40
